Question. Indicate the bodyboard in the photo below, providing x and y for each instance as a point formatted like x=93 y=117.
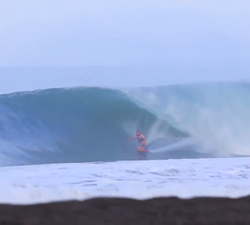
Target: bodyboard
x=142 y=150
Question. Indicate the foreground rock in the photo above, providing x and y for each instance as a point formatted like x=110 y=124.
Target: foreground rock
x=112 y=211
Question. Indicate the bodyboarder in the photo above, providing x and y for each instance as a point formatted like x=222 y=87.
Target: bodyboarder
x=141 y=149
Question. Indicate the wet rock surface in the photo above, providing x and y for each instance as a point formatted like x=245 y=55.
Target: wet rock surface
x=118 y=211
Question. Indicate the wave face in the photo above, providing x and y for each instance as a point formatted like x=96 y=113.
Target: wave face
x=73 y=125
x=93 y=124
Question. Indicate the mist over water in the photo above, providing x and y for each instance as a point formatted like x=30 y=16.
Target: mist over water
x=216 y=115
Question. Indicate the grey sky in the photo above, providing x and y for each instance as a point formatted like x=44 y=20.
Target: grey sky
x=196 y=36
x=123 y=32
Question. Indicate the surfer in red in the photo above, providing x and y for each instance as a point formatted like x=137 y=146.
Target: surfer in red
x=142 y=144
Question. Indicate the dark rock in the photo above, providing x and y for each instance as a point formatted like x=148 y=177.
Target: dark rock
x=115 y=211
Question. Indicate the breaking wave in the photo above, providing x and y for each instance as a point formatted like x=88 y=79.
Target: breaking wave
x=93 y=124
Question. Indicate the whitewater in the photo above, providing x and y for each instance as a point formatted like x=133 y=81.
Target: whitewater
x=71 y=143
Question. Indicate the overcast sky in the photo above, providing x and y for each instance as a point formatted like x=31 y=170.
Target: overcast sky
x=195 y=35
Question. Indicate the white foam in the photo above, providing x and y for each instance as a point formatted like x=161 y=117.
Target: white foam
x=136 y=179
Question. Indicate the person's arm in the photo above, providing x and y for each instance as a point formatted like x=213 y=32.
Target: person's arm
x=131 y=139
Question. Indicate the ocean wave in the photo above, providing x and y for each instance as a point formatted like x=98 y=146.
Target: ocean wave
x=93 y=124
x=74 y=125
